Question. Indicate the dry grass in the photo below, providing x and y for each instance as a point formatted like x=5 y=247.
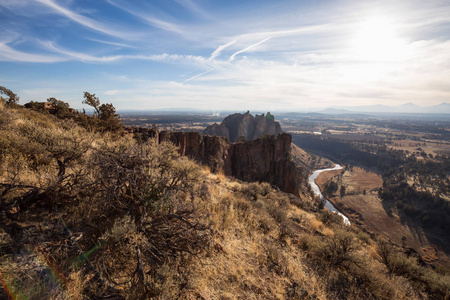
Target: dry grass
x=358 y=180
x=206 y=237
x=248 y=261
x=430 y=147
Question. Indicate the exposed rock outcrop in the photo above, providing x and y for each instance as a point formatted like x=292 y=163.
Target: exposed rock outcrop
x=245 y=125
x=264 y=159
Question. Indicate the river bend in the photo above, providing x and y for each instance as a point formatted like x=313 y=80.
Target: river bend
x=317 y=192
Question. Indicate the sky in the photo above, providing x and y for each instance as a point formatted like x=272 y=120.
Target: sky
x=282 y=55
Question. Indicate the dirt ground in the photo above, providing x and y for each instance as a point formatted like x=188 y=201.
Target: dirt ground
x=325 y=177
x=367 y=211
x=430 y=147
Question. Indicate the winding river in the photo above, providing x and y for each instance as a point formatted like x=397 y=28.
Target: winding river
x=317 y=192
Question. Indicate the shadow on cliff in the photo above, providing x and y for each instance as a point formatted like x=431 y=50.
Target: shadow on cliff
x=266 y=159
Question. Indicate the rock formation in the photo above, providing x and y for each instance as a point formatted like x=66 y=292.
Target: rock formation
x=246 y=126
x=264 y=159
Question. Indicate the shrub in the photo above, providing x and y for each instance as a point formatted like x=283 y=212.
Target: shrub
x=399 y=264
x=337 y=250
x=275 y=260
x=148 y=173
x=329 y=218
x=255 y=189
x=364 y=237
x=278 y=213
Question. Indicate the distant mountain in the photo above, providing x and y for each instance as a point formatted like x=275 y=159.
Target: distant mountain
x=443 y=108
x=335 y=111
x=407 y=108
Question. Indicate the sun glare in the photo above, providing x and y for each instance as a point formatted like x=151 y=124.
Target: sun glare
x=377 y=40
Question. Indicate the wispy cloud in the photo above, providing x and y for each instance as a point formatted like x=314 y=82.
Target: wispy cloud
x=194 y=8
x=9 y=54
x=168 y=58
x=198 y=75
x=113 y=43
x=82 y=20
x=248 y=48
x=153 y=21
x=111 y=92
x=74 y=55
x=219 y=50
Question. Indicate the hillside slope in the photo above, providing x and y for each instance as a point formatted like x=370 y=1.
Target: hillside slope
x=309 y=162
x=89 y=215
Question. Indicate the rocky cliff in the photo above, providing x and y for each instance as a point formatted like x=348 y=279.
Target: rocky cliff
x=265 y=159
x=245 y=125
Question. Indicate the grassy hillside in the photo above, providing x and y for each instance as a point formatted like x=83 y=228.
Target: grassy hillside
x=90 y=214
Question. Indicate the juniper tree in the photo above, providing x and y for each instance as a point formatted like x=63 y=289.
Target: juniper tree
x=12 y=98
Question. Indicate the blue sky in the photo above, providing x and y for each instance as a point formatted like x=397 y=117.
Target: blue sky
x=227 y=55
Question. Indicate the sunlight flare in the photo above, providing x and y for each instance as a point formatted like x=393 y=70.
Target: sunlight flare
x=377 y=39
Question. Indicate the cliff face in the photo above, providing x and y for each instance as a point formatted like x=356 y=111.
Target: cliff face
x=265 y=159
x=245 y=125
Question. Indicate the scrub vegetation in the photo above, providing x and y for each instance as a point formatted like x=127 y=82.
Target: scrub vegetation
x=90 y=212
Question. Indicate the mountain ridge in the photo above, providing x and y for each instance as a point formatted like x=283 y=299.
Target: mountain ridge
x=407 y=108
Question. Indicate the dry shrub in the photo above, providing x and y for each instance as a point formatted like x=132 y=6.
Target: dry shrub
x=219 y=176
x=337 y=250
x=275 y=260
x=76 y=285
x=364 y=237
x=144 y=178
x=299 y=202
x=254 y=190
x=203 y=191
x=242 y=207
x=149 y=261
x=265 y=223
x=397 y=263
x=327 y=231
x=346 y=271
x=330 y=219
x=315 y=224
x=44 y=165
x=278 y=198
x=39 y=119
x=6 y=117
x=28 y=276
x=278 y=213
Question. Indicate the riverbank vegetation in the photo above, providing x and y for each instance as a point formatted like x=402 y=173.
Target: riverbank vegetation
x=416 y=184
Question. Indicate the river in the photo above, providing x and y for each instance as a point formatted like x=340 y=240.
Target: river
x=317 y=192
